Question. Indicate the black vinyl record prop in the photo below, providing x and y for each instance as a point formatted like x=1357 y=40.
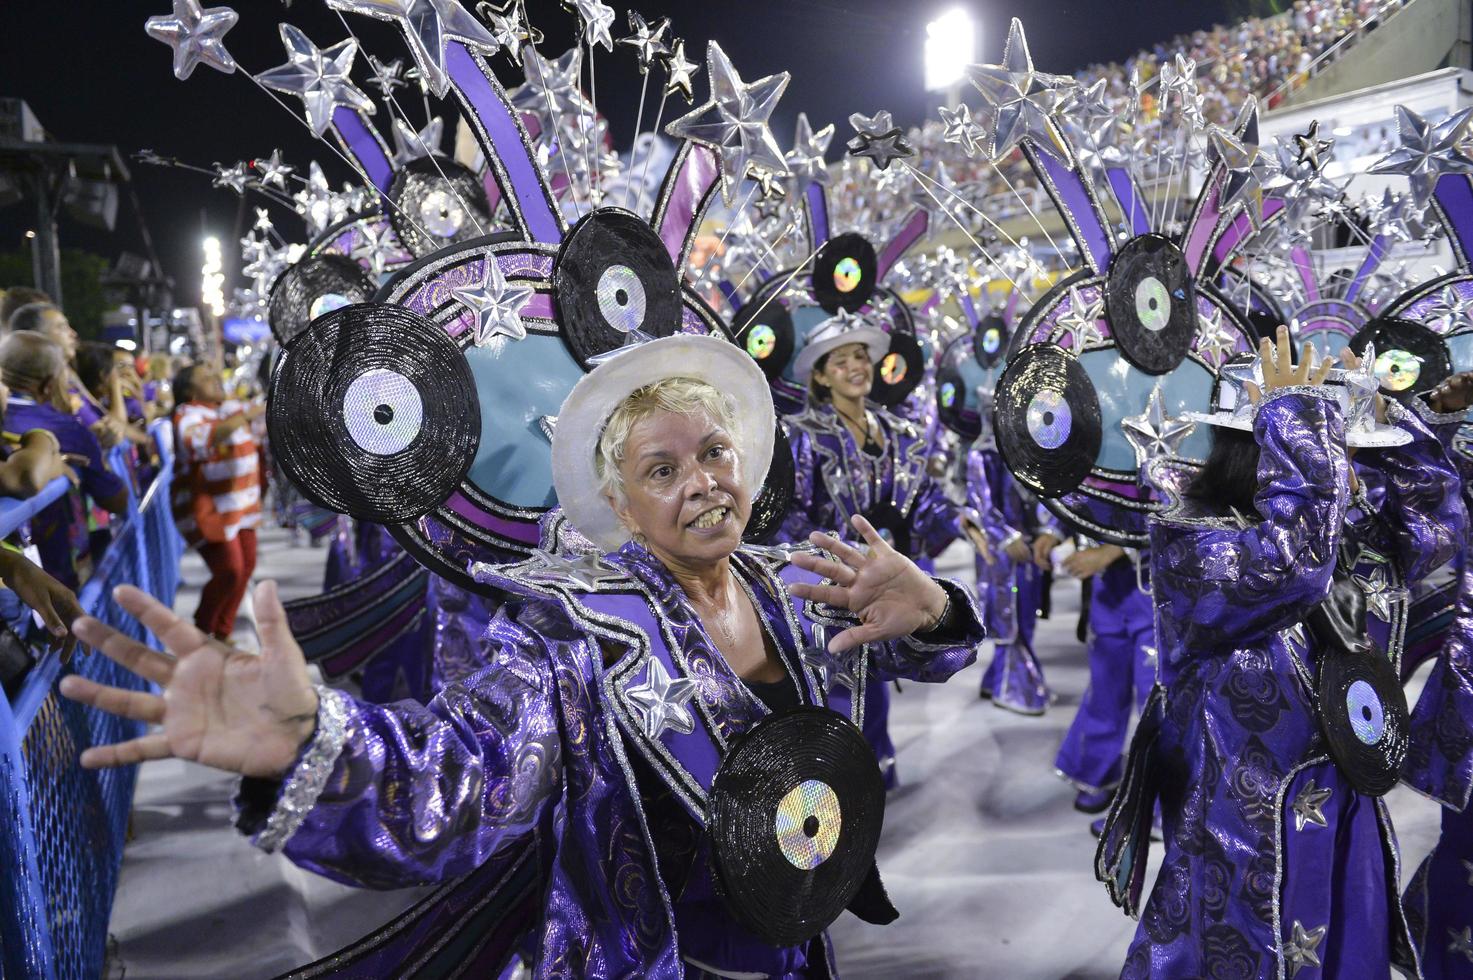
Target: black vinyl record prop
x=990 y=340
x=770 y=506
x=1151 y=303
x=438 y=202
x=893 y=526
x=373 y=413
x=613 y=277
x=765 y=328
x=899 y=371
x=844 y=273
x=1410 y=358
x=312 y=287
x=1363 y=715
x=794 y=815
x=1047 y=420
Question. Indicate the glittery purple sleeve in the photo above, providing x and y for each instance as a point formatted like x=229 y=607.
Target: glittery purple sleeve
x=983 y=507
x=1440 y=760
x=935 y=519
x=916 y=658
x=1422 y=518
x=1222 y=584
x=423 y=793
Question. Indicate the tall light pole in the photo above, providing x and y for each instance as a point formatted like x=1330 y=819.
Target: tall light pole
x=951 y=45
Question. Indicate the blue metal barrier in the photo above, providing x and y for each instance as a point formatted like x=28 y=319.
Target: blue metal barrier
x=62 y=827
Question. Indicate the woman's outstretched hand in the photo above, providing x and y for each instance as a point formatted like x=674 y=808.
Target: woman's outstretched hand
x=885 y=589
x=221 y=707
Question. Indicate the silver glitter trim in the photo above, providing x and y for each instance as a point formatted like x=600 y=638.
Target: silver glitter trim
x=1425 y=412
x=1327 y=392
x=955 y=596
x=304 y=784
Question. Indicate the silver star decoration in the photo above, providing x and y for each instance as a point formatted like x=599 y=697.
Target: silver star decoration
x=1380 y=594
x=648 y=40
x=197 y=36
x=234 y=177
x=1090 y=107
x=878 y=138
x=1180 y=76
x=409 y=145
x=679 y=73
x=1452 y=310
x=1295 y=634
x=1427 y=151
x=1215 y=343
x=1248 y=167
x=1363 y=385
x=263 y=220
x=1309 y=806
x=428 y=25
x=552 y=88
x=376 y=244
x=734 y=122
x=1300 y=181
x=1299 y=951
x=1462 y=942
x=1022 y=100
x=597 y=17
x=387 y=75
x=316 y=202
x=510 y=29
x=1153 y=433
x=496 y=303
x=805 y=160
x=1080 y=323
x=319 y=78
x=834 y=670
x=661 y=701
x=585 y=571
x=958 y=126
x=264 y=263
x=273 y=172
x=1310 y=151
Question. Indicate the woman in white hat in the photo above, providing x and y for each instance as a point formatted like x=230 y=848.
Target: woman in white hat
x=851 y=457
x=619 y=683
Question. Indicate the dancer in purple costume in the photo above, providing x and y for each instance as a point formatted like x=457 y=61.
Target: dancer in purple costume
x=1273 y=862
x=852 y=457
x=598 y=750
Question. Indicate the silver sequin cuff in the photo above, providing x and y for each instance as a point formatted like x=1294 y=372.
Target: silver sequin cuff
x=1326 y=392
x=304 y=784
x=1426 y=413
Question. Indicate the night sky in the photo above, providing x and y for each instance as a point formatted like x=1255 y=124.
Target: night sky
x=91 y=75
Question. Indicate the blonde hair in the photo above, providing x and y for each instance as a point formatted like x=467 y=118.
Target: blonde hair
x=679 y=396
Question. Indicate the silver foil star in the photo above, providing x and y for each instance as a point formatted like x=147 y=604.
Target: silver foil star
x=834 y=670
x=263 y=220
x=375 y=246
x=1362 y=385
x=428 y=25
x=315 y=202
x=233 y=177
x=648 y=40
x=273 y=172
x=661 y=701
x=1080 y=323
x=878 y=138
x=958 y=126
x=1299 y=951
x=585 y=571
x=1089 y=106
x=1379 y=592
x=1462 y=942
x=197 y=36
x=552 y=88
x=1427 y=151
x=1215 y=343
x=597 y=17
x=510 y=28
x=1153 y=433
x=1311 y=151
x=805 y=160
x=319 y=78
x=679 y=73
x=1452 y=310
x=409 y=145
x=496 y=303
x=734 y=122
x=387 y=75
x=1309 y=806
x=1023 y=100
x=1248 y=167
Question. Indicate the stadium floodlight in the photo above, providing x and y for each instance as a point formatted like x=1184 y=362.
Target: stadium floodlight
x=951 y=45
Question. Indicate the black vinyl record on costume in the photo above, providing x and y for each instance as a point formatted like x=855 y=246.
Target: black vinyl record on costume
x=1151 y=303
x=1363 y=715
x=772 y=503
x=893 y=526
x=312 y=287
x=1410 y=358
x=765 y=329
x=844 y=273
x=990 y=340
x=613 y=277
x=899 y=371
x=438 y=202
x=794 y=816
x=1047 y=420
x=373 y=413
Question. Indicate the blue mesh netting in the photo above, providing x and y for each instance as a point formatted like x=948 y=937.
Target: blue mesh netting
x=62 y=828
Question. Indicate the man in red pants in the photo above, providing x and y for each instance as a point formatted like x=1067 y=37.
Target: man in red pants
x=217 y=491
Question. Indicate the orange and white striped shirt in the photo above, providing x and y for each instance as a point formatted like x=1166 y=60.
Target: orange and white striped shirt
x=217 y=489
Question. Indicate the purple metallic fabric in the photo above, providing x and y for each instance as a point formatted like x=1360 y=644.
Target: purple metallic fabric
x=1255 y=858
x=539 y=746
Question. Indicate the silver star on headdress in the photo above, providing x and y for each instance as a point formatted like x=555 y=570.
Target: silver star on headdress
x=805 y=160
x=597 y=17
x=1362 y=385
x=315 y=202
x=510 y=29
x=319 y=78
x=1153 y=433
x=263 y=220
x=263 y=263
x=196 y=35
x=1214 y=341
x=1309 y=806
x=1080 y=322
x=1452 y=309
x=273 y=172
x=1090 y=107
x=660 y=701
x=387 y=75
x=428 y=25
x=375 y=246
x=1248 y=167
x=878 y=138
x=1300 y=180
x=1310 y=150
x=648 y=40
x=409 y=145
x=552 y=88
x=679 y=73
x=1299 y=951
x=1023 y=100
x=734 y=122
x=1427 y=151
x=958 y=126
x=234 y=177
x=938 y=195
x=496 y=303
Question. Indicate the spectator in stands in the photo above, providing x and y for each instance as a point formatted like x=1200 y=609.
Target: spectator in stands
x=50 y=322
x=14 y=298
x=102 y=391
x=217 y=491
x=34 y=369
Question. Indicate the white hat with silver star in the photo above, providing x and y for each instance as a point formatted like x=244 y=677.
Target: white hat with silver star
x=840 y=330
